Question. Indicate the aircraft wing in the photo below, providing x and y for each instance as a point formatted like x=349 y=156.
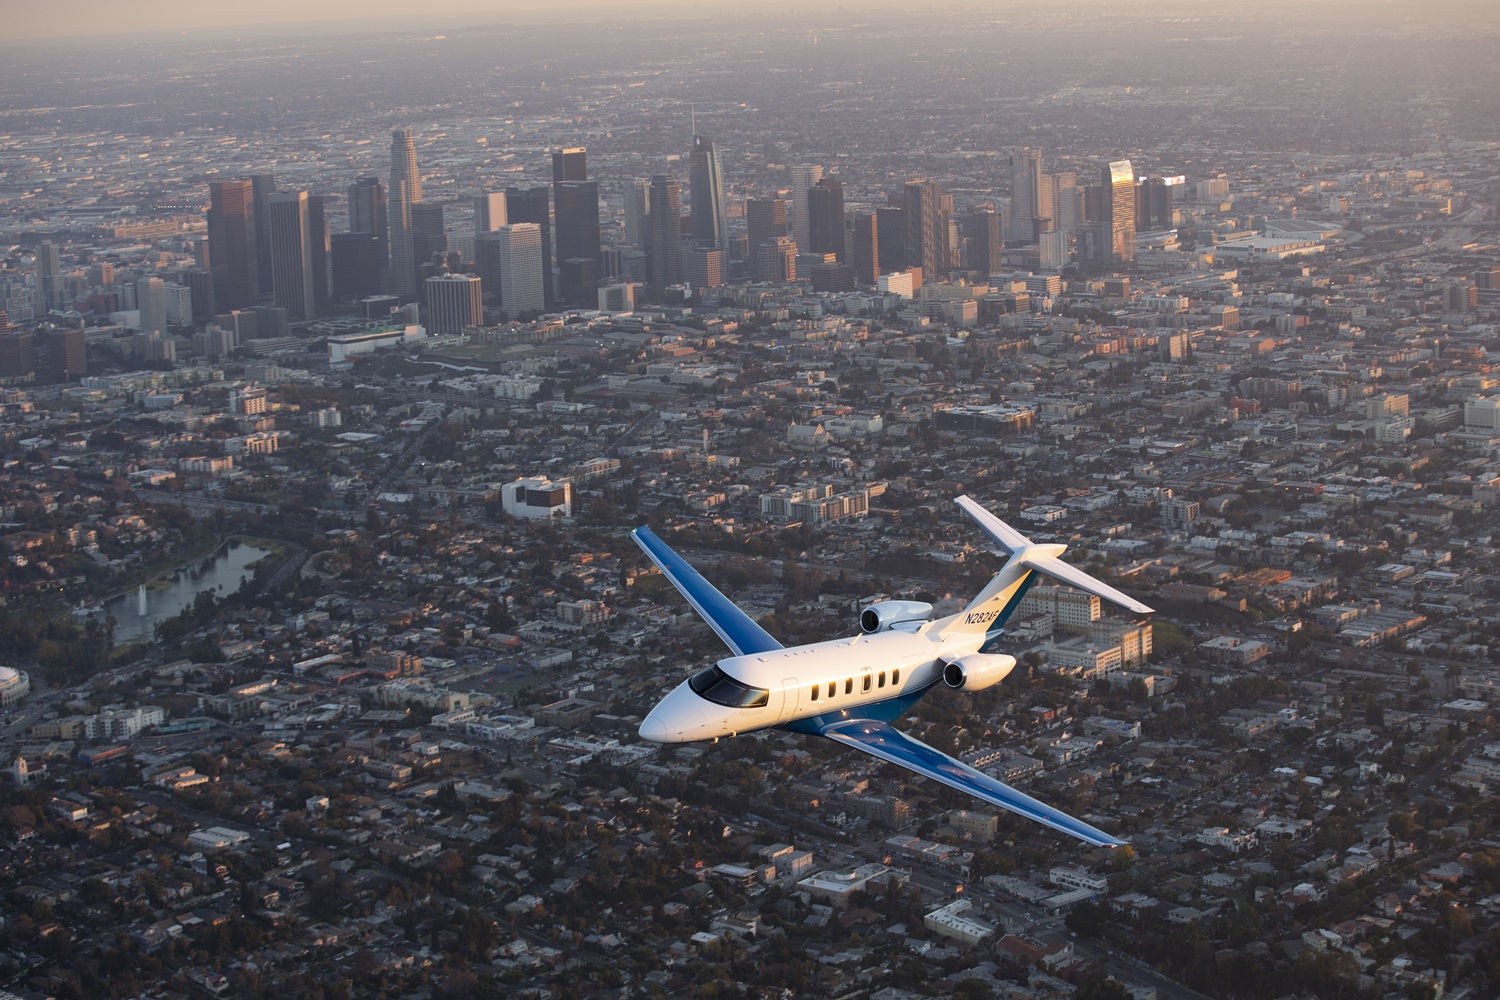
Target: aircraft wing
x=737 y=629
x=881 y=740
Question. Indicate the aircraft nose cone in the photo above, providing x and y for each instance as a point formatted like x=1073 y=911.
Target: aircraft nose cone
x=654 y=730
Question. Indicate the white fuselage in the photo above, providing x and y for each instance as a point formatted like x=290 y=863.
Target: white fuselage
x=800 y=682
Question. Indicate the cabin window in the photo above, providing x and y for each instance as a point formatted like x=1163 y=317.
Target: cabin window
x=882 y=678
x=895 y=677
x=816 y=688
x=849 y=686
x=832 y=688
x=866 y=685
x=714 y=685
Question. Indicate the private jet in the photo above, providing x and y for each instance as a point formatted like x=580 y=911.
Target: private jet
x=852 y=690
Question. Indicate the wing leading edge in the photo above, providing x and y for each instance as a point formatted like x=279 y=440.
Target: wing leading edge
x=738 y=630
x=889 y=744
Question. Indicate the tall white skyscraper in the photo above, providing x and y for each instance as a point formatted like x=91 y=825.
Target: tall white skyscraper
x=803 y=177
x=404 y=190
x=292 y=254
x=518 y=249
x=489 y=212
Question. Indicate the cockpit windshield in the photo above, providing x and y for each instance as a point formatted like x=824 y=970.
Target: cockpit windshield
x=721 y=689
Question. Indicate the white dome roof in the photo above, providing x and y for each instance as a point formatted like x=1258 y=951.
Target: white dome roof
x=9 y=674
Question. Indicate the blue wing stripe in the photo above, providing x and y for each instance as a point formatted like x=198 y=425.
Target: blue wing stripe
x=881 y=740
x=737 y=629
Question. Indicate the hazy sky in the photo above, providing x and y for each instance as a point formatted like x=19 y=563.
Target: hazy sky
x=80 y=18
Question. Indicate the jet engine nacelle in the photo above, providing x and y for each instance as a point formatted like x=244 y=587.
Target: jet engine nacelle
x=886 y=615
x=977 y=671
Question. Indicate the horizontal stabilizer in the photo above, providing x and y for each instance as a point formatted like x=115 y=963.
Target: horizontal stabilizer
x=1028 y=555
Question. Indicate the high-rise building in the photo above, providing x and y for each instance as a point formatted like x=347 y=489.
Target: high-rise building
x=775 y=261
x=825 y=218
x=926 y=228
x=765 y=220
x=1153 y=202
x=405 y=190
x=292 y=254
x=201 y=287
x=453 y=302
x=664 y=238
x=317 y=235
x=890 y=224
x=428 y=234
x=1025 y=194
x=356 y=265
x=101 y=274
x=705 y=267
x=576 y=205
x=231 y=235
x=534 y=206
x=67 y=355
x=866 y=248
x=264 y=185
x=49 y=283
x=982 y=231
x=803 y=178
x=710 y=225
x=17 y=356
x=489 y=212
x=151 y=302
x=1119 y=220
x=518 y=248
x=367 y=214
x=570 y=165
x=637 y=210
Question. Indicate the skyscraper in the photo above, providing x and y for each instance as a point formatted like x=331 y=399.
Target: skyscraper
x=534 y=205
x=429 y=237
x=292 y=254
x=664 y=235
x=231 y=239
x=356 y=265
x=575 y=202
x=890 y=222
x=775 y=261
x=982 y=231
x=67 y=356
x=518 y=248
x=866 y=248
x=570 y=165
x=405 y=190
x=705 y=267
x=706 y=186
x=48 y=277
x=151 y=301
x=17 y=355
x=317 y=234
x=1025 y=194
x=1119 y=215
x=765 y=219
x=825 y=218
x=803 y=178
x=367 y=212
x=264 y=185
x=926 y=228
x=453 y=302
x=637 y=208
x=489 y=212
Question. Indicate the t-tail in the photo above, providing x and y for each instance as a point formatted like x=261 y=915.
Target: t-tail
x=992 y=607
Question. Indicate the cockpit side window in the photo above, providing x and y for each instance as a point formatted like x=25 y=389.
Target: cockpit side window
x=718 y=687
